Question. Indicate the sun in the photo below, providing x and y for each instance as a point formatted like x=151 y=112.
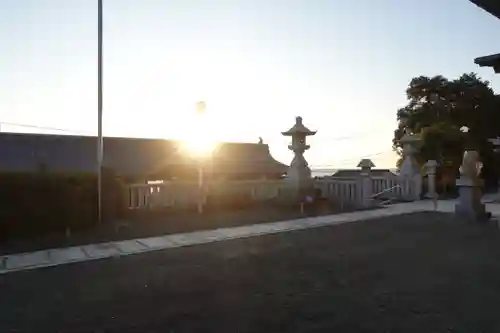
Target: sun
x=199 y=146
x=202 y=136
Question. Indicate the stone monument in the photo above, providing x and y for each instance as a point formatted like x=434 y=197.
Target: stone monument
x=299 y=177
x=410 y=170
x=469 y=185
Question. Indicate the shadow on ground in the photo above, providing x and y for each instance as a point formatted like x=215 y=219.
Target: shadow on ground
x=420 y=272
x=156 y=223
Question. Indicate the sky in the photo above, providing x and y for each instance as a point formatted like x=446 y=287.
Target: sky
x=341 y=65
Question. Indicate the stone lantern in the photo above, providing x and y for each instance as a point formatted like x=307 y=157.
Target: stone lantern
x=409 y=168
x=366 y=166
x=299 y=173
x=411 y=144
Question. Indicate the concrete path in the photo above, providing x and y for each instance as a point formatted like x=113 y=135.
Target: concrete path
x=54 y=257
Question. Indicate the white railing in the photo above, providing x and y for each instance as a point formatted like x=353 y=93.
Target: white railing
x=358 y=191
x=344 y=190
x=184 y=193
x=394 y=186
x=387 y=190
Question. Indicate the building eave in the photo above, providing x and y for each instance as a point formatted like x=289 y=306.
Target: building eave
x=491 y=6
x=489 y=61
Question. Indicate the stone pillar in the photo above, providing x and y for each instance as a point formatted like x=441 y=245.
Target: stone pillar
x=410 y=170
x=430 y=170
x=469 y=185
x=366 y=166
x=299 y=178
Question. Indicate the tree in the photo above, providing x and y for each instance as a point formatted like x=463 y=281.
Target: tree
x=438 y=107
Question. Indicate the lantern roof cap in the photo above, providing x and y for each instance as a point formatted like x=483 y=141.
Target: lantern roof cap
x=366 y=163
x=298 y=128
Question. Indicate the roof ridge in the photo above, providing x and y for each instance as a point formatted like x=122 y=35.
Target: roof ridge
x=122 y=137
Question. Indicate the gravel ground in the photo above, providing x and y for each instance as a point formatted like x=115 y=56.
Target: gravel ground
x=420 y=272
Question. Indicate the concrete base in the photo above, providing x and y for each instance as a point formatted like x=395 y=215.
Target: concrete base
x=469 y=204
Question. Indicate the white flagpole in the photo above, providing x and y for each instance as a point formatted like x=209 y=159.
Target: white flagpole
x=99 y=111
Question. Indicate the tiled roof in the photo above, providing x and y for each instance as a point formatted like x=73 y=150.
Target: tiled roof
x=489 y=61
x=247 y=158
x=127 y=156
x=356 y=172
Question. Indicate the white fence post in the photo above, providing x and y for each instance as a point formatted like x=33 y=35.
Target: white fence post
x=366 y=166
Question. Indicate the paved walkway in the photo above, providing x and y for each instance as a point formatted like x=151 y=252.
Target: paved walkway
x=54 y=257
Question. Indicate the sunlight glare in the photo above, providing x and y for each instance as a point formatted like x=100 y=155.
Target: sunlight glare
x=200 y=146
x=201 y=140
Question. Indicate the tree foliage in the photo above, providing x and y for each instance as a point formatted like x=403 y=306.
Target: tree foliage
x=438 y=108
